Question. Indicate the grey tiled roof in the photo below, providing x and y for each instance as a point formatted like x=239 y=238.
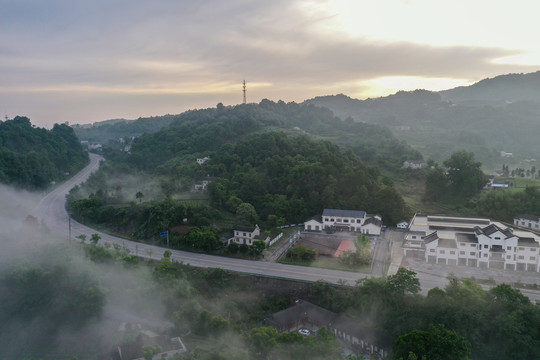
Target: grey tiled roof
x=344 y=213
x=431 y=237
x=528 y=217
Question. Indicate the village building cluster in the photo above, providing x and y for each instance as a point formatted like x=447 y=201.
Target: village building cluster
x=474 y=242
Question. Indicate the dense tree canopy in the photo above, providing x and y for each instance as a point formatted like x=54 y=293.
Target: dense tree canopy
x=506 y=205
x=460 y=178
x=296 y=177
x=32 y=157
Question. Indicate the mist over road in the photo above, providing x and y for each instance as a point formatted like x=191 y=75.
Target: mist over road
x=51 y=210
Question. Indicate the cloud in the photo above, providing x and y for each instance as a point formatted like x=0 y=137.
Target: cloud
x=133 y=51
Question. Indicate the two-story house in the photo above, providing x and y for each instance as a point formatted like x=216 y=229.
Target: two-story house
x=345 y=220
x=245 y=235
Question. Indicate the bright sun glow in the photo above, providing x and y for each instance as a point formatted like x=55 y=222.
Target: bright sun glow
x=482 y=23
x=390 y=85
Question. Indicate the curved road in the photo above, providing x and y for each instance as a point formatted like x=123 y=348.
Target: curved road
x=51 y=210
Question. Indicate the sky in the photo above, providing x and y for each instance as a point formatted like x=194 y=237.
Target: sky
x=87 y=61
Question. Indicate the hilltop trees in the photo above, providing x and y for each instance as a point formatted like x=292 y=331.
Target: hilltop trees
x=32 y=157
x=461 y=178
x=278 y=176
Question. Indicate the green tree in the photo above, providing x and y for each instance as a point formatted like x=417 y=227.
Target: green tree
x=257 y=248
x=94 y=238
x=464 y=174
x=246 y=214
x=404 y=281
x=436 y=184
x=139 y=196
x=437 y=343
x=148 y=351
x=263 y=339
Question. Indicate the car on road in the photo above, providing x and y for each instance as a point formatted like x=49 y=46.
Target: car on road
x=304 y=332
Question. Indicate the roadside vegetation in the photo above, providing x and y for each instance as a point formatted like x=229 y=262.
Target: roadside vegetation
x=219 y=314
x=33 y=158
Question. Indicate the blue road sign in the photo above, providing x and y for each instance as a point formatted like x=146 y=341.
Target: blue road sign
x=163 y=234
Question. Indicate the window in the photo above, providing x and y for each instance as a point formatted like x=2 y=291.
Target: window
x=338 y=220
x=485 y=255
x=462 y=253
x=452 y=253
x=508 y=248
x=521 y=249
x=532 y=258
x=358 y=221
x=345 y=220
x=486 y=246
x=244 y=234
x=441 y=251
x=473 y=253
x=533 y=250
x=331 y=219
x=473 y=245
x=461 y=244
x=431 y=250
x=326 y=219
x=508 y=256
x=521 y=257
x=497 y=238
x=414 y=236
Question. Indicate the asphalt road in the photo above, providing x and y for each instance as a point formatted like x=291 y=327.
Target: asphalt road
x=381 y=256
x=51 y=210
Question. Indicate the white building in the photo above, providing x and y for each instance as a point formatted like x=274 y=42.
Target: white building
x=201 y=161
x=414 y=164
x=474 y=242
x=402 y=225
x=247 y=235
x=201 y=186
x=345 y=220
x=528 y=221
x=314 y=224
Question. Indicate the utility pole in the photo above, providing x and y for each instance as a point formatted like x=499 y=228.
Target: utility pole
x=244 y=91
x=69 y=226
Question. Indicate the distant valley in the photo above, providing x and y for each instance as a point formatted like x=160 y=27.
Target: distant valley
x=493 y=115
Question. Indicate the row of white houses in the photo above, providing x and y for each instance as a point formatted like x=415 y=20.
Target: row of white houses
x=528 y=221
x=475 y=242
x=345 y=220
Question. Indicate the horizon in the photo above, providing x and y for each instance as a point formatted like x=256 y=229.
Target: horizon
x=88 y=62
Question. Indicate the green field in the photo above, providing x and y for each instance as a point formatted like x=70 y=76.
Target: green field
x=519 y=183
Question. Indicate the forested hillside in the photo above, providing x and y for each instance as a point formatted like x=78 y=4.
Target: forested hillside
x=105 y=131
x=296 y=177
x=494 y=115
x=32 y=157
x=204 y=131
x=268 y=165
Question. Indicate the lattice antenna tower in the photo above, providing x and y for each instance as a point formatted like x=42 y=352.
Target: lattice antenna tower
x=244 y=90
